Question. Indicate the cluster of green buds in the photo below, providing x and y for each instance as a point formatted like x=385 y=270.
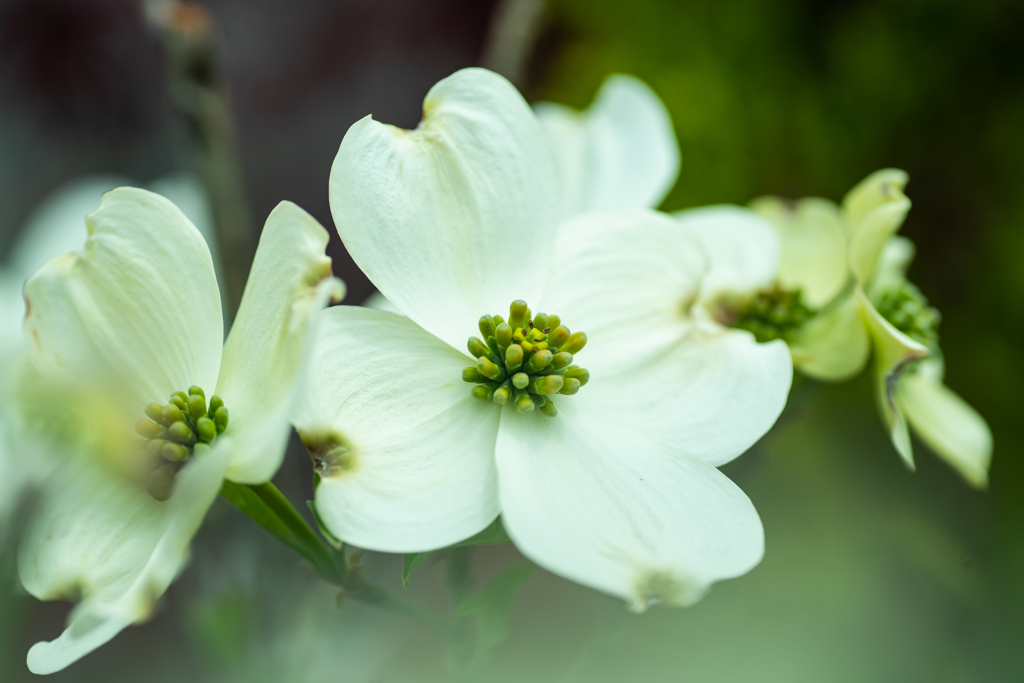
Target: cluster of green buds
x=774 y=314
x=525 y=360
x=186 y=425
x=907 y=309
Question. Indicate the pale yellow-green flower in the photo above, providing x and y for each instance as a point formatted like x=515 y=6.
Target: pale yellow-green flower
x=125 y=323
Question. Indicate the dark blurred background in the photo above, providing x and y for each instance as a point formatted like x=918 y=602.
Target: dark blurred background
x=872 y=573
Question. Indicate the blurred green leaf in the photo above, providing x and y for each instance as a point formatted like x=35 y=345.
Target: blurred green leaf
x=493 y=534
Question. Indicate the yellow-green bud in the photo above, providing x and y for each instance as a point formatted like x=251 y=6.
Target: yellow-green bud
x=486 y=326
x=577 y=340
x=548 y=408
x=215 y=403
x=182 y=433
x=200 y=448
x=558 y=336
x=155 y=447
x=503 y=333
x=148 y=429
x=471 y=374
x=502 y=393
x=514 y=357
x=220 y=418
x=478 y=349
x=538 y=361
x=562 y=359
x=497 y=319
x=196 y=405
x=484 y=392
x=549 y=384
x=554 y=321
x=570 y=387
x=155 y=412
x=196 y=391
x=520 y=380
x=206 y=428
x=174 y=452
x=540 y=321
x=524 y=404
x=578 y=373
x=518 y=312
x=172 y=413
x=176 y=400
x=160 y=483
x=489 y=369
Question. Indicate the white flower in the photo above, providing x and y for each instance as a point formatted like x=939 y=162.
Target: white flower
x=457 y=219
x=132 y=318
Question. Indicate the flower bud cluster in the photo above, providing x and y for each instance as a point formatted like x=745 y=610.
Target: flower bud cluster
x=175 y=431
x=907 y=309
x=525 y=360
x=775 y=314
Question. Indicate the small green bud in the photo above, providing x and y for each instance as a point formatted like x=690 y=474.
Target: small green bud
x=148 y=429
x=196 y=406
x=514 y=357
x=554 y=321
x=215 y=403
x=156 y=446
x=503 y=333
x=538 y=361
x=562 y=359
x=502 y=393
x=520 y=380
x=174 y=452
x=196 y=391
x=497 y=319
x=206 y=428
x=478 y=349
x=570 y=387
x=548 y=408
x=492 y=344
x=200 y=448
x=540 y=321
x=172 y=413
x=220 y=418
x=582 y=375
x=490 y=370
x=518 y=312
x=549 y=384
x=176 y=400
x=182 y=433
x=486 y=326
x=155 y=412
x=558 y=336
x=160 y=483
x=524 y=404
x=577 y=340
x=484 y=392
x=471 y=374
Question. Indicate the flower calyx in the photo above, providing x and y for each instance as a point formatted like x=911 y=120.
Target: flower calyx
x=525 y=360
x=907 y=309
x=185 y=426
x=774 y=314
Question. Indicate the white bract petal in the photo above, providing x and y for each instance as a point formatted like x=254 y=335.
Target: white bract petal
x=137 y=309
x=405 y=454
x=891 y=271
x=261 y=373
x=873 y=211
x=893 y=352
x=587 y=497
x=834 y=345
x=945 y=422
x=621 y=153
x=463 y=208
x=101 y=539
x=813 y=246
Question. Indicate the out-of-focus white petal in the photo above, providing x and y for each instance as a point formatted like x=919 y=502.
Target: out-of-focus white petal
x=380 y=302
x=265 y=355
x=891 y=272
x=621 y=153
x=813 y=246
x=742 y=249
x=893 y=352
x=102 y=540
x=138 y=309
x=454 y=219
x=874 y=210
x=945 y=422
x=834 y=345
x=587 y=498
x=404 y=452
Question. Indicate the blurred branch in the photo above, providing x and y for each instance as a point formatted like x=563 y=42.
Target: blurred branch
x=510 y=40
x=199 y=95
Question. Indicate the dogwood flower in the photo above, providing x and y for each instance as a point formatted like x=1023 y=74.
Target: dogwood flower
x=132 y=323
x=908 y=363
x=419 y=445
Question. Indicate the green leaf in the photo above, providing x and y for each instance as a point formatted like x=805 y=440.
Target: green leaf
x=494 y=534
x=328 y=536
x=494 y=605
x=246 y=500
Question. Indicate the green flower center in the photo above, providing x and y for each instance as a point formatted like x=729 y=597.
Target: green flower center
x=907 y=309
x=174 y=432
x=526 y=360
x=774 y=314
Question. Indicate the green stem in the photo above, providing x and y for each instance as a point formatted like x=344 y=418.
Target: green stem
x=318 y=553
